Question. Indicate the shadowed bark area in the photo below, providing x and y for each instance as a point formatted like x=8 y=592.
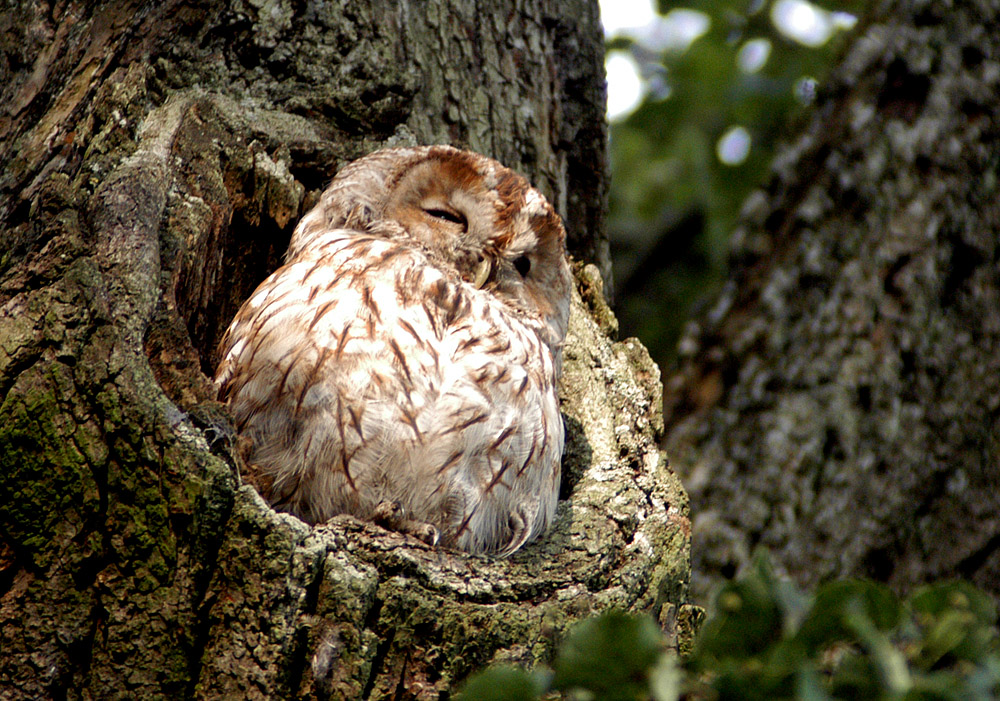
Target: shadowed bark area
x=840 y=403
x=155 y=158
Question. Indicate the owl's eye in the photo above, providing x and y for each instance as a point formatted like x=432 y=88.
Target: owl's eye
x=447 y=215
x=522 y=264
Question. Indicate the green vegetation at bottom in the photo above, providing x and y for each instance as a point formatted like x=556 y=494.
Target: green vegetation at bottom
x=851 y=639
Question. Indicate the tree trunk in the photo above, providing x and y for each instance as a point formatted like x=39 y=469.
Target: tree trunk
x=155 y=158
x=840 y=404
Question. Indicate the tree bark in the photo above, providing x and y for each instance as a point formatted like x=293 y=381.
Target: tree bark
x=155 y=158
x=840 y=403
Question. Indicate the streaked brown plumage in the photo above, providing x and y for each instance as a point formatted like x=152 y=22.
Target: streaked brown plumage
x=402 y=364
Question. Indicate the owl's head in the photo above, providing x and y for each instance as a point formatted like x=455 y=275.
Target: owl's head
x=469 y=212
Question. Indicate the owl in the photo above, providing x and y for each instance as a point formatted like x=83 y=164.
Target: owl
x=401 y=366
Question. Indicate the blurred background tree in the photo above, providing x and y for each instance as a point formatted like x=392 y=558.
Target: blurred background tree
x=698 y=97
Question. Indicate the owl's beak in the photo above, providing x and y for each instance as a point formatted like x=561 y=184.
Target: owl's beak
x=482 y=272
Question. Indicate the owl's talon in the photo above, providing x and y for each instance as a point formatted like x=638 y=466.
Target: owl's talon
x=427 y=533
x=424 y=532
x=391 y=516
x=387 y=513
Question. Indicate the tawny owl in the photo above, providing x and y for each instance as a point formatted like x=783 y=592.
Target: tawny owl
x=403 y=362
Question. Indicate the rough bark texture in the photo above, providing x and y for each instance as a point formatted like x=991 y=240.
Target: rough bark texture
x=840 y=404
x=155 y=157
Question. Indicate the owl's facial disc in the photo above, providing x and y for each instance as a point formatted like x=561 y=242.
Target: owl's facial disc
x=487 y=224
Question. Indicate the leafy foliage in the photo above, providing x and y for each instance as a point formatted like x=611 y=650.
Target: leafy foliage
x=852 y=639
x=673 y=202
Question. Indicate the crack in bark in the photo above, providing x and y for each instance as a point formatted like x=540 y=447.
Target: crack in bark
x=378 y=662
x=301 y=649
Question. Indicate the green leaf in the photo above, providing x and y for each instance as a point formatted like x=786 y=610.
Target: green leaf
x=610 y=656
x=958 y=622
x=839 y=602
x=748 y=616
x=890 y=665
x=501 y=683
x=955 y=595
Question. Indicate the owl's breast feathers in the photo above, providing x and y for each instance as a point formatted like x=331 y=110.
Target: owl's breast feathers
x=364 y=372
